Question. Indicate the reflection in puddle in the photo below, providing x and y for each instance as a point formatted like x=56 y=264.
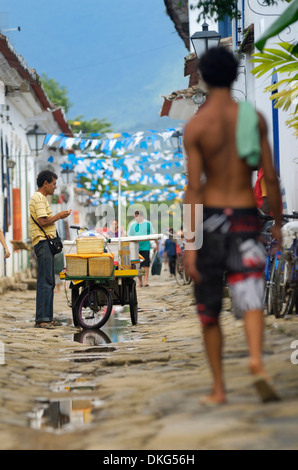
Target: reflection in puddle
x=112 y=332
x=73 y=382
x=63 y=414
x=92 y=337
x=115 y=328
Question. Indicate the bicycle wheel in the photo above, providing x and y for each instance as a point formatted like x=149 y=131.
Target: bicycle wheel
x=93 y=307
x=283 y=292
x=270 y=286
x=187 y=279
x=267 y=272
x=133 y=303
x=179 y=269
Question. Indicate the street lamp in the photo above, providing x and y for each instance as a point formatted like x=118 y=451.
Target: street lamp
x=204 y=40
x=36 y=139
x=67 y=175
x=82 y=197
x=177 y=135
x=10 y=163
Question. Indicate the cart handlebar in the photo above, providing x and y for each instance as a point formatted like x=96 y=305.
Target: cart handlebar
x=78 y=227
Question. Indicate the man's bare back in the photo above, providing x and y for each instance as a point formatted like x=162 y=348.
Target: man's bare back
x=212 y=134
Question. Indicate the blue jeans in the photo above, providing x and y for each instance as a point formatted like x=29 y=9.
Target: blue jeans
x=45 y=282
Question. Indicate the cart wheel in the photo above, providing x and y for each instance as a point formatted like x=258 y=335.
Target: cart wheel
x=92 y=338
x=93 y=307
x=133 y=303
x=75 y=293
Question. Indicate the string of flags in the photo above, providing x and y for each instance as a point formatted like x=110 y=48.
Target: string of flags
x=113 y=141
x=147 y=158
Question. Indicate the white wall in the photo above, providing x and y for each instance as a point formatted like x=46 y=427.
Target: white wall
x=251 y=88
x=12 y=128
x=18 y=118
x=262 y=17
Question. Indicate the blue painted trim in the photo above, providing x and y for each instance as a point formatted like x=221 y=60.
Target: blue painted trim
x=275 y=126
x=225 y=27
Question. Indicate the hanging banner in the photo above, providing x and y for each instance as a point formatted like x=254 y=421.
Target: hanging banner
x=16 y=214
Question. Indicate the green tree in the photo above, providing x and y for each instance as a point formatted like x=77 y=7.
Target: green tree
x=58 y=96
x=220 y=8
x=94 y=126
x=56 y=93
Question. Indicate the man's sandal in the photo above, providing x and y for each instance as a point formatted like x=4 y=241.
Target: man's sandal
x=44 y=324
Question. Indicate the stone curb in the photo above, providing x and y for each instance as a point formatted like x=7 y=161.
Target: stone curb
x=20 y=281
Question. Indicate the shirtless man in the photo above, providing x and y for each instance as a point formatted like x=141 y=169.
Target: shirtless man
x=230 y=221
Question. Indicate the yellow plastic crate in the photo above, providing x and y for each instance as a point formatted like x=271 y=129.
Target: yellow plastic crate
x=76 y=266
x=126 y=272
x=89 y=245
x=101 y=266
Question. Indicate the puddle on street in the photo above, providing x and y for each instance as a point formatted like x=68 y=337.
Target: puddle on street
x=64 y=414
x=114 y=331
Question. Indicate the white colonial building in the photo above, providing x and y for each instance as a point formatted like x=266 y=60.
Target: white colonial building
x=23 y=105
x=254 y=18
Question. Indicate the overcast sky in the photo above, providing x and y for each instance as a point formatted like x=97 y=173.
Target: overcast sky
x=115 y=57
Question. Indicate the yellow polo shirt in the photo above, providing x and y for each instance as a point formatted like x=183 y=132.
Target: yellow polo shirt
x=39 y=207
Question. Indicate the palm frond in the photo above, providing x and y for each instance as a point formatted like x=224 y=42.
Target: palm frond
x=285 y=91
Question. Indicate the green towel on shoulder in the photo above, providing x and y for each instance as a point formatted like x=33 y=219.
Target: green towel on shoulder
x=247 y=134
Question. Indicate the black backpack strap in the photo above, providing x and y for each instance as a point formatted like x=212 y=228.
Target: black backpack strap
x=41 y=227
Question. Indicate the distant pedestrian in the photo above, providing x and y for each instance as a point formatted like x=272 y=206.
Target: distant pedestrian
x=260 y=193
x=41 y=211
x=261 y=196
x=141 y=227
x=228 y=141
x=113 y=231
x=171 y=252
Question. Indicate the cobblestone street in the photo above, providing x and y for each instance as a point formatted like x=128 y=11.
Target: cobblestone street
x=138 y=387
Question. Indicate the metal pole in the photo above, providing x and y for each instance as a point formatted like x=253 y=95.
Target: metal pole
x=119 y=220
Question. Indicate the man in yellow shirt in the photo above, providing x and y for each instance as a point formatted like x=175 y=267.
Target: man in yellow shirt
x=41 y=212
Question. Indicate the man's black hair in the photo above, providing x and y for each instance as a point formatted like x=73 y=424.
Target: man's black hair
x=45 y=175
x=218 y=67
